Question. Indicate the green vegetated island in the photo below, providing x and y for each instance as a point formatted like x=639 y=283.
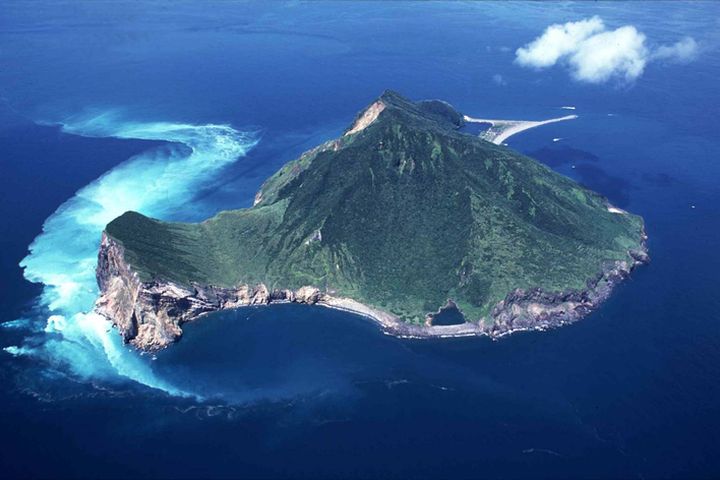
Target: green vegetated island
x=404 y=219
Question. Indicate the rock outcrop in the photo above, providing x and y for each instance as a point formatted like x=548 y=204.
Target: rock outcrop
x=536 y=309
x=369 y=116
x=150 y=315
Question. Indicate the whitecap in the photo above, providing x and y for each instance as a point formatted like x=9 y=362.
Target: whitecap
x=19 y=323
x=16 y=351
x=63 y=257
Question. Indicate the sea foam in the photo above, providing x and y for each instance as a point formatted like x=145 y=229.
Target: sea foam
x=63 y=257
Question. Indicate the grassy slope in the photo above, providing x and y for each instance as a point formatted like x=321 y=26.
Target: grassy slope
x=410 y=213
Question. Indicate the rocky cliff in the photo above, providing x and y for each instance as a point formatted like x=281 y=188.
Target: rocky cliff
x=536 y=309
x=150 y=315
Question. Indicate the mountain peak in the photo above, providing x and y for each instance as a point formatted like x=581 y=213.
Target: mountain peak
x=435 y=112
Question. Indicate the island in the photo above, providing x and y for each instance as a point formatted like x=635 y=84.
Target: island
x=404 y=219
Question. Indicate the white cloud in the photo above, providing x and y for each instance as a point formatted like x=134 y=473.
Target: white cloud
x=498 y=79
x=594 y=54
x=556 y=42
x=683 y=51
x=620 y=53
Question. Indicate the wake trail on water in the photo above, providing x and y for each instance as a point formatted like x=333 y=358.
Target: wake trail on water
x=64 y=256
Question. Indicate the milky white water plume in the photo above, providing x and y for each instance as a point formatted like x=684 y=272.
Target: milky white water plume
x=63 y=257
x=595 y=54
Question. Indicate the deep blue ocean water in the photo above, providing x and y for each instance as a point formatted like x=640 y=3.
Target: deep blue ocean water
x=137 y=96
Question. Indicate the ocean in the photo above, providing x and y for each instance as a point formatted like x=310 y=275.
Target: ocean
x=183 y=109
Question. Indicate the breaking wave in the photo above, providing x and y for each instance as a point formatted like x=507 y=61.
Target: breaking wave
x=63 y=257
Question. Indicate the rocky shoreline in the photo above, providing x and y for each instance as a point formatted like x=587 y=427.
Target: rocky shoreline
x=150 y=315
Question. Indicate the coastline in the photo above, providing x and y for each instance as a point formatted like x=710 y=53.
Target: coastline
x=150 y=315
x=560 y=309
x=501 y=130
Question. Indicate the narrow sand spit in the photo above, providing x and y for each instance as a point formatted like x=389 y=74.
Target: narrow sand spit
x=501 y=130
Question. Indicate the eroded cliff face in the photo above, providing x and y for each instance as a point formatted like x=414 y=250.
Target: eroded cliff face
x=150 y=315
x=536 y=309
x=368 y=117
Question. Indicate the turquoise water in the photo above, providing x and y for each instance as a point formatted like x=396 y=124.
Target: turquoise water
x=180 y=112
